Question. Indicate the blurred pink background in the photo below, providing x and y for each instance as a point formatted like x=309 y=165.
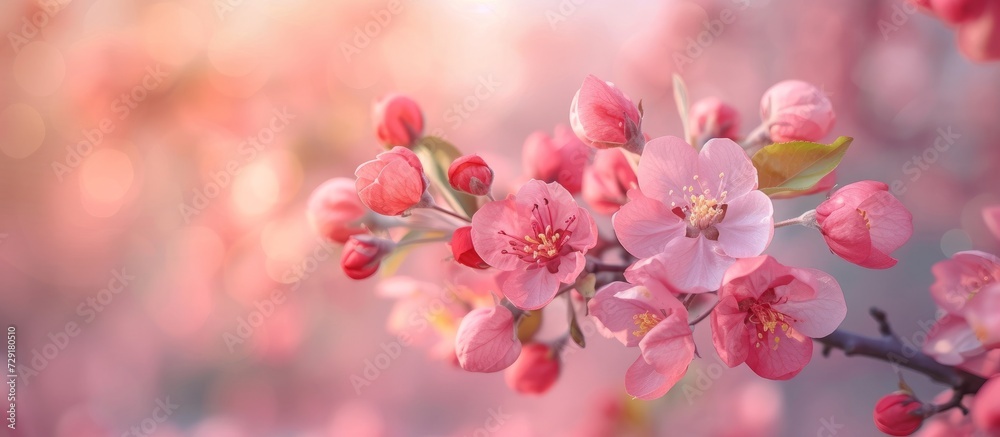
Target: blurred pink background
x=165 y=149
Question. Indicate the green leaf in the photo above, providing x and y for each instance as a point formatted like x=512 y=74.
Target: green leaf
x=797 y=165
x=574 y=328
x=436 y=155
x=681 y=99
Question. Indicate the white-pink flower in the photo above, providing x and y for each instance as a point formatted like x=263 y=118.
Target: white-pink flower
x=698 y=210
x=538 y=237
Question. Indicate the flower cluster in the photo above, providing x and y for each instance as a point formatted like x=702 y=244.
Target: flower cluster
x=692 y=217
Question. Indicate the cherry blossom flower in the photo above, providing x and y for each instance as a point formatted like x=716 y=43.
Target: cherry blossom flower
x=951 y=341
x=334 y=210
x=958 y=279
x=699 y=210
x=713 y=118
x=863 y=222
x=487 y=340
x=894 y=414
x=991 y=215
x=398 y=121
x=470 y=174
x=767 y=313
x=362 y=255
x=986 y=407
x=602 y=116
x=560 y=158
x=463 y=250
x=983 y=315
x=535 y=371
x=651 y=318
x=393 y=183
x=606 y=182
x=538 y=237
x=794 y=110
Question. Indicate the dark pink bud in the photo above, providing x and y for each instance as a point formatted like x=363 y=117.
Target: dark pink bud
x=863 y=223
x=393 y=183
x=335 y=211
x=398 y=121
x=602 y=116
x=463 y=251
x=794 y=110
x=896 y=414
x=362 y=255
x=958 y=11
x=470 y=174
x=535 y=371
x=713 y=118
x=986 y=407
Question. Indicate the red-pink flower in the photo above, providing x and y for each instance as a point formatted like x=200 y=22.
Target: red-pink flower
x=863 y=223
x=560 y=158
x=699 y=211
x=794 y=110
x=958 y=11
x=538 y=238
x=983 y=315
x=951 y=341
x=362 y=255
x=463 y=250
x=535 y=371
x=487 y=340
x=768 y=314
x=896 y=414
x=607 y=181
x=334 y=210
x=712 y=118
x=979 y=38
x=470 y=174
x=650 y=317
x=986 y=407
x=962 y=276
x=398 y=121
x=602 y=116
x=991 y=215
x=393 y=183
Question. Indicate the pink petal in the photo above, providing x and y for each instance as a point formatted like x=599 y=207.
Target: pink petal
x=722 y=156
x=529 y=289
x=694 y=265
x=485 y=341
x=983 y=314
x=644 y=382
x=669 y=346
x=614 y=315
x=560 y=209
x=602 y=109
x=847 y=235
x=891 y=222
x=487 y=225
x=748 y=226
x=958 y=278
x=651 y=272
x=397 y=188
x=645 y=226
x=729 y=332
x=754 y=276
x=791 y=355
x=850 y=196
x=991 y=215
x=951 y=341
x=668 y=164
x=819 y=312
x=570 y=266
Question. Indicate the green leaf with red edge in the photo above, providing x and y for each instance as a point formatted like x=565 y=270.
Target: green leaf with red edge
x=797 y=165
x=436 y=155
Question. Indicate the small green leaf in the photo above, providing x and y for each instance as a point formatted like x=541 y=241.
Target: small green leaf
x=574 y=328
x=797 y=165
x=681 y=99
x=436 y=155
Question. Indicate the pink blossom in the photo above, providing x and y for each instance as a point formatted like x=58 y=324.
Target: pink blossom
x=470 y=174
x=560 y=158
x=335 y=211
x=602 y=116
x=424 y=314
x=362 y=255
x=895 y=414
x=398 y=121
x=991 y=215
x=699 y=211
x=958 y=279
x=794 y=110
x=487 y=340
x=983 y=315
x=393 y=183
x=979 y=38
x=650 y=317
x=986 y=407
x=767 y=313
x=607 y=181
x=535 y=371
x=951 y=341
x=958 y=11
x=712 y=118
x=863 y=223
x=538 y=237
x=463 y=250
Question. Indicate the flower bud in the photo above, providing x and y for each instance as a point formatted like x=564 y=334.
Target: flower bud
x=602 y=116
x=470 y=174
x=362 y=255
x=863 y=223
x=979 y=38
x=895 y=414
x=991 y=215
x=561 y=158
x=461 y=248
x=794 y=110
x=535 y=371
x=335 y=211
x=713 y=118
x=486 y=341
x=393 y=183
x=607 y=181
x=398 y=121
x=986 y=407
x=958 y=11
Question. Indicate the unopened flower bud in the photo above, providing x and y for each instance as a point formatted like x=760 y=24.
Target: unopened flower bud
x=398 y=121
x=470 y=174
x=794 y=110
x=362 y=255
x=464 y=252
x=535 y=371
x=335 y=211
x=393 y=183
x=896 y=414
x=713 y=118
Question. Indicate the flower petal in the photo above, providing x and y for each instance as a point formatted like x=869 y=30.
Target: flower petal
x=847 y=235
x=669 y=346
x=613 y=315
x=725 y=162
x=644 y=382
x=694 y=265
x=748 y=226
x=645 y=226
x=667 y=165
x=529 y=289
x=487 y=226
x=891 y=223
x=816 y=313
x=782 y=359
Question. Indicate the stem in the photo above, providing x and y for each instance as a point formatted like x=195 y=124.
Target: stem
x=705 y=314
x=598 y=266
x=807 y=218
x=756 y=139
x=451 y=213
x=423 y=240
x=890 y=349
